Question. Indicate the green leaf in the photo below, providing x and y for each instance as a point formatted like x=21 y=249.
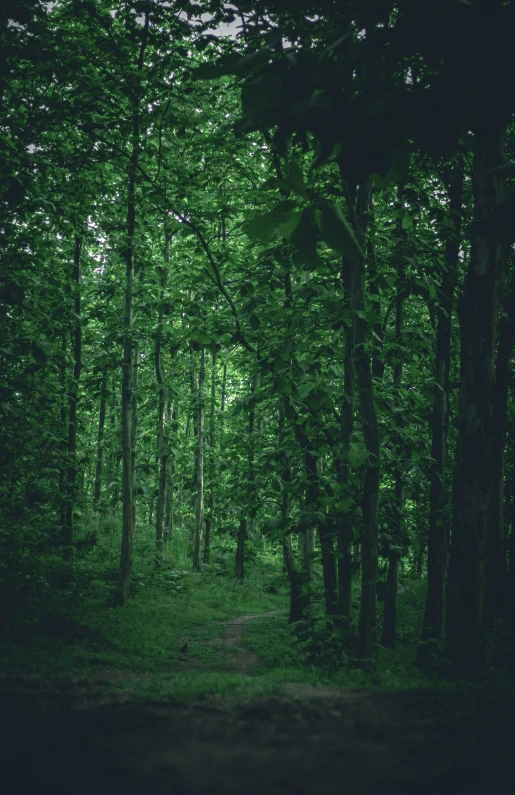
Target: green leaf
x=262 y=228
x=304 y=238
x=345 y=504
x=296 y=179
x=336 y=230
x=358 y=454
x=255 y=322
x=201 y=337
x=316 y=400
x=276 y=484
x=288 y=227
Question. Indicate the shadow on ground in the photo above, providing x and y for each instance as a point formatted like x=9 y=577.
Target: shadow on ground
x=79 y=735
x=58 y=741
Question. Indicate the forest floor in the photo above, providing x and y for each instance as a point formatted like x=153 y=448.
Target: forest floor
x=90 y=732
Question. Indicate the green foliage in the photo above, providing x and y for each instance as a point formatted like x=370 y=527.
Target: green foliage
x=229 y=218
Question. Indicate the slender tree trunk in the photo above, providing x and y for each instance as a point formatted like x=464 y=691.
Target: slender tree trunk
x=63 y=442
x=378 y=329
x=299 y=596
x=437 y=545
x=171 y=419
x=419 y=557
x=306 y=549
x=194 y=387
x=325 y=529
x=496 y=570
x=97 y=488
x=509 y=600
x=389 y=632
x=239 y=566
x=224 y=386
x=343 y=523
x=134 y=408
x=298 y=600
x=200 y=464
x=71 y=486
x=211 y=499
x=161 y=409
x=128 y=430
x=367 y=615
x=474 y=467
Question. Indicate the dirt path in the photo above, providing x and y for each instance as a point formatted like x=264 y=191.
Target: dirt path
x=242 y=660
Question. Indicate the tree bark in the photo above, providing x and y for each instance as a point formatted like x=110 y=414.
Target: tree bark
x=211 y=499
x=199 y=503
x=299 y=580
x=63 y=436
x=474 y=468
x=97 y=488
x=496 y=569
x=367 y=615
x=239 y=566
x=161 y=409
x=389 y=631
x=71 y=484
x=124 y=575
x=324 y=526
x=171 y=420
x=343 y=523
x=437 y=544
x=306 y=550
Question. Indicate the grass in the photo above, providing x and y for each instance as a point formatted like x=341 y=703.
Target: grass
x=64 y=620
x=64 y=623
x=285 y=660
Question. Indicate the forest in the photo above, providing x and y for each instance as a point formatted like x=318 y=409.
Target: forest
x=257 y=319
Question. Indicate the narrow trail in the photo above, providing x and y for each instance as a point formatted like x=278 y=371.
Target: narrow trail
x=242 y=660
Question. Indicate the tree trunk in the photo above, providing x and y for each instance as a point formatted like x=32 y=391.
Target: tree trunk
x=419 y=557
x=367 y=615
x=161 y=409
x=298 y=599
x=306 y=550
x=474 y=468
x=97 y=488
x=71 y=485
x=299 y=594
x=124 y=574
x=247 y=502
x=324 y=526
x=496 y=569
x=200 y=464
x=389 y=632
x=437 y=545
x=343 y=523
x=171 y=419
x=239 y=565
x=211 y=499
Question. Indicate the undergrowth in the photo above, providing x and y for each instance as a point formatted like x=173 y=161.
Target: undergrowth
x=62 y=621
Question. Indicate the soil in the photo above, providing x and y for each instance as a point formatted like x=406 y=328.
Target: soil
x=77 y=736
